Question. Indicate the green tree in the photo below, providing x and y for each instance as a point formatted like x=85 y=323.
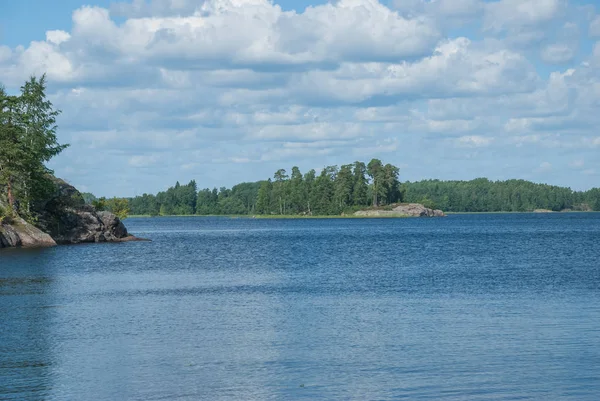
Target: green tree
x=246 y=193
x=263 y=201
x=376 y=172
x=27 y=142
x=343 y=187
x=99 y=204
x=323 y=191
x=207 y=202
x=309 y=183
x=119 y=207
x=279 y=189
x=13 y=152
x=391 y=183
x=297 y=195
x=360 y=188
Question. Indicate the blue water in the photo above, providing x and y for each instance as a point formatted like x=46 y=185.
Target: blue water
x=466 y=307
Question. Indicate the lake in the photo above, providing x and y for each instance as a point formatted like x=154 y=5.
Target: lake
x=492 y=306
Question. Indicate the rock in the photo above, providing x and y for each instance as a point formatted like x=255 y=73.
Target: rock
x=67 y=218
x=83 y=224
x=18 y=233
x=402 y=210
x=63 y=218
x=542 y=211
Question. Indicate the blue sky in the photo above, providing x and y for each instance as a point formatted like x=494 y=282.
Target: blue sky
x=224 y=91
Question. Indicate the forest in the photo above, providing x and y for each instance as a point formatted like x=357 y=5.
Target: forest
x=357 y=186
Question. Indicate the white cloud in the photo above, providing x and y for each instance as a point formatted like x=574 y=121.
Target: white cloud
x=57 y=37
x=558 y=53
x=507 y=15
x=173 y=86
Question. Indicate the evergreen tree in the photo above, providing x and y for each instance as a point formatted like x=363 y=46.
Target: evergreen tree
x=343 y=187
x=309 y=183
x=391 y=183
x=27 y=142
x=360 y=188
x=377 y=174
x=263 y=202
x=323 y=191
x=297 y=195
x=279 y=189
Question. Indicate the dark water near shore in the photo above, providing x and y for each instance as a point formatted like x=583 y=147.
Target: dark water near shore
x=466 y=307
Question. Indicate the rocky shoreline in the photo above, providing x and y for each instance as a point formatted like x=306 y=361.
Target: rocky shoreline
x=402 y=210
x=63 y=218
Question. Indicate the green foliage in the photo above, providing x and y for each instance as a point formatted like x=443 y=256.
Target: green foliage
x=99 y=204
x=333 y=192
x=483 y=195
x=428 y=203
x=3 y=213
x=27 y=141
x=360 y=189
x=591 y=198
x=344 y=190
x=118 y=206
x=263 y=201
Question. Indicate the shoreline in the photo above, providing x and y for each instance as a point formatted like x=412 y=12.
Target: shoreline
x=292 y=216
x=273 y=217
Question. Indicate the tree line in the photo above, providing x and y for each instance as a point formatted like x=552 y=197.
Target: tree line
x=483 y=195
x=355 y=186
x=330 y=192
x=27 y=141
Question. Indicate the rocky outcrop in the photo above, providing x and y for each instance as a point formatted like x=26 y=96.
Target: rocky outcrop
x=402 y=210
x=18 y=233
x=63 y=218
x=82 y=224
x=67 y=218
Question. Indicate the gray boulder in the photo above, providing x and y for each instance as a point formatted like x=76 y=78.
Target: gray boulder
x=18 y=233
x=402 y=210
x=62 y=217
x=68 y=220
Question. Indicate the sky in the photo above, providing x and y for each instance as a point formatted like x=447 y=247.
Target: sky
x=225 y=91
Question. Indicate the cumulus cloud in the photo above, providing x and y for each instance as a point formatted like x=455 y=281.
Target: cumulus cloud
x=172 y=87
x=513 y=15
